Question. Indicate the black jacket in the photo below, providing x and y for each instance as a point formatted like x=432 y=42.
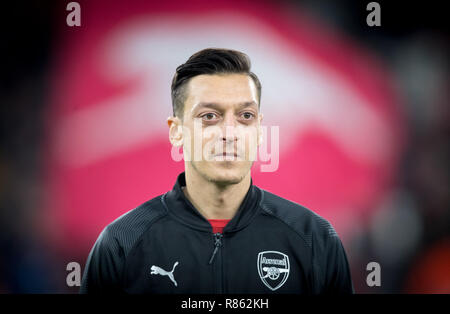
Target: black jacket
x=165 y=245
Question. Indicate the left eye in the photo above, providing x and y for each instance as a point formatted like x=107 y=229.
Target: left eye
x=209 y=116
x=247 y=115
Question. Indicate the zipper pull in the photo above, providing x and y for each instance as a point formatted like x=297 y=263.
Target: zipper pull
x=217 y=244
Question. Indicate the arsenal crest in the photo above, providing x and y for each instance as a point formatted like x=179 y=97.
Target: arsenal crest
x=273 y=268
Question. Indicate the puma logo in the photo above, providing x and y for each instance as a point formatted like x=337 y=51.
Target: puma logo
x=159 y=271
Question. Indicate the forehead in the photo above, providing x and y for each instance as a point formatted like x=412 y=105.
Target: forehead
x=226 y=89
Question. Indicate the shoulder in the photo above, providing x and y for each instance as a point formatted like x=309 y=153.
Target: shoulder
x=300 y=219
x=128 y=228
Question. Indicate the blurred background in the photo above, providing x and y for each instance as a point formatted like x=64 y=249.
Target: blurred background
x=363 y=114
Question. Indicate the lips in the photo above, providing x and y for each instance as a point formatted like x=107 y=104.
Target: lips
x=225 y=154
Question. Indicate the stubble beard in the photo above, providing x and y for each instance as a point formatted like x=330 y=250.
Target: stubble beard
x=220 y=181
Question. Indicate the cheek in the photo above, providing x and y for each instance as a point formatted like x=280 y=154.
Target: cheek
x=250 y=143
x=250 y=136
x=210 y=135
x=188 y=138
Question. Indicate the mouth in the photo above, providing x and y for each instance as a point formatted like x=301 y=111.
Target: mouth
x=225 y=154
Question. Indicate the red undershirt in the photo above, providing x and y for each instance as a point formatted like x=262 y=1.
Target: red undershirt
x=218 y=224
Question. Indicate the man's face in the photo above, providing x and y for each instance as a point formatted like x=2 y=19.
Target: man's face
x=221 y=126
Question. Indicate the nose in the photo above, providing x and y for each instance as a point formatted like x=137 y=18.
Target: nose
x=229 y=138
x=229 y=129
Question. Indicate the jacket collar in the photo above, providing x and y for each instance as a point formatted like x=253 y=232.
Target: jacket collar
x=182 y=209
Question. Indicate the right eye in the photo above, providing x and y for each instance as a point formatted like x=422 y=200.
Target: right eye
x=209 y=116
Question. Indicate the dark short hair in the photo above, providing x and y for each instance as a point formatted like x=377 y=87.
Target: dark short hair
x=209 y=61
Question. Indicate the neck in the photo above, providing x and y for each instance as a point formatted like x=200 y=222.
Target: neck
x=212 y=200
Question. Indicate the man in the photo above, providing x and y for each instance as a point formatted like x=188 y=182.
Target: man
x=216 y=232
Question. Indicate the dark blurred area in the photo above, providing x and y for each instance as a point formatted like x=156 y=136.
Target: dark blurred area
x=410 y=233
x=26 y=264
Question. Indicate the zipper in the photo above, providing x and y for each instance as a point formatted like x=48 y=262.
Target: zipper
x=218 y=264
x=217 y=244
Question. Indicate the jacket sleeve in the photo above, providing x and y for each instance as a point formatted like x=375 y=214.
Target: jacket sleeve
x=104 y=266
x=337 y=274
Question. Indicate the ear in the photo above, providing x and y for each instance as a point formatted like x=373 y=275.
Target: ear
x=175 y=131
x=260 y=138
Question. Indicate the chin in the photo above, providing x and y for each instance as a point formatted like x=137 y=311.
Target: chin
x=224 y=172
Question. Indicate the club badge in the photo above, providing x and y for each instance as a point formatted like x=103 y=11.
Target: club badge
x=273 y=268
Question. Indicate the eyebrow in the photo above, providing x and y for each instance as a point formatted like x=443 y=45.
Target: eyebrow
x=215 y=105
